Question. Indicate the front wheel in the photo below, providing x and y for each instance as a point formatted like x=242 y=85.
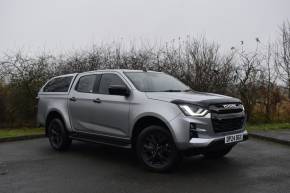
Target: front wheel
x=215 y=154
x=58 y=136
x=156 y=149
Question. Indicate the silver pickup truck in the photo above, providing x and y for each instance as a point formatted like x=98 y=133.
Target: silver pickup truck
x=157 y=115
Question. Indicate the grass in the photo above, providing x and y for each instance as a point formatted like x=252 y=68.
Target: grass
x=268 y=126
x=34 y=131
x=20 y=132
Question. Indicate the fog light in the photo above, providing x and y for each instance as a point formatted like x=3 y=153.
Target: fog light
x=192 y=131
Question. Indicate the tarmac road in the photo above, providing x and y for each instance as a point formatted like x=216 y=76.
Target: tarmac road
x=32 y=166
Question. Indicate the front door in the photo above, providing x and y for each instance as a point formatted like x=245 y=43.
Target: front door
x=112 y=110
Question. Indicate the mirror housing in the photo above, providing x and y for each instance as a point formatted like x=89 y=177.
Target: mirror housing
x=119 y=90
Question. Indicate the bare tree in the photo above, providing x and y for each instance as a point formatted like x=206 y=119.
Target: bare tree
x=247 y=75
x=205 y=69
x=269 y=93
x=282 y=55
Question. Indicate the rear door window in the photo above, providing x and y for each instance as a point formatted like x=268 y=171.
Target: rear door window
x=60 y=84
x=88 y=83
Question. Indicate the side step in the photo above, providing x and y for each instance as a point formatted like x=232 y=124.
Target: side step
x=101 y=139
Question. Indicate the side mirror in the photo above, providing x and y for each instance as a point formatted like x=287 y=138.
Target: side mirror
x=119 y=90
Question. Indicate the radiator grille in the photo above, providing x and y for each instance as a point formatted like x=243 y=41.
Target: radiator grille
x=228 y=124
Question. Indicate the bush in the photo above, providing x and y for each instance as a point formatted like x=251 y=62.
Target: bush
x=196 y=62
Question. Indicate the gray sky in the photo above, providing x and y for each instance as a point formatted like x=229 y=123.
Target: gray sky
x=61 y=25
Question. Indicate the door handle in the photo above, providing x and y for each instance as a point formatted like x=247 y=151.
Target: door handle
x=73 y=99
x=97 y=100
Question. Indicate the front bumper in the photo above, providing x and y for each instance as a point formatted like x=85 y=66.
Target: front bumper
x=200 y=146
x=206 y=136
x=204 y=142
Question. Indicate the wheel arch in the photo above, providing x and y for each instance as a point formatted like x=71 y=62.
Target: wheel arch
x=146 y=120
x=54 y=113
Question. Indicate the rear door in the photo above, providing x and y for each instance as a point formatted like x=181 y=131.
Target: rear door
x=81 y=102
x=94 y=110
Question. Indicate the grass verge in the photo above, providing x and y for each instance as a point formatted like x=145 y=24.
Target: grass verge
x=4 y=133
x=268 y=126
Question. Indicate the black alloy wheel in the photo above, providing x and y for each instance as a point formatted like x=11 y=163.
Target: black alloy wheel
x=156 y=149
x=58 y=136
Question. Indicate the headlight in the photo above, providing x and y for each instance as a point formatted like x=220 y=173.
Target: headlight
x=243 y=107
x=193 y=110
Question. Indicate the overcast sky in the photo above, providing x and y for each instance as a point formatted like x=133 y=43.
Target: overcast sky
x=61 y=25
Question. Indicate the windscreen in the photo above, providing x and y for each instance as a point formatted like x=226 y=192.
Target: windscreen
x=155 y=82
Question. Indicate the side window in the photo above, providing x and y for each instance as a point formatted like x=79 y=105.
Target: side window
x=107 y=80
x=88 y=83
x=60 y=84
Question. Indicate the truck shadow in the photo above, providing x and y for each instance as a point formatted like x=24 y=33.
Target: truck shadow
x=127 y=159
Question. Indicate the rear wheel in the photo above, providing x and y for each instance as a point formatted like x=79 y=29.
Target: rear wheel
x=215 y=154
x=58 y=136
x=156 y=149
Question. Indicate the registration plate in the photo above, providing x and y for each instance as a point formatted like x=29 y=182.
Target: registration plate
x=233 y=138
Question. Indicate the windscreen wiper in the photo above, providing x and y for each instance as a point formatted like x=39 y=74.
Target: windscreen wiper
x=171 y=90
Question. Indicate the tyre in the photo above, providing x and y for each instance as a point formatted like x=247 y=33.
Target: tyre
x=58 y=136
x=156 y=149
x=215 y=154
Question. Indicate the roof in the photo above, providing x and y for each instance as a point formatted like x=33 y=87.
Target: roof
x=120 y=70
x=105 y=70
x=64 y=75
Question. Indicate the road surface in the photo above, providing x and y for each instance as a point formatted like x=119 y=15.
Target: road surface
x=32 y=166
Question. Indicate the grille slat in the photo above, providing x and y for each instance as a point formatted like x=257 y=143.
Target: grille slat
x=227 y=111
x=224 y=125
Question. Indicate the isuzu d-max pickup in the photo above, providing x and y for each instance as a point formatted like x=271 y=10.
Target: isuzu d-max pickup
x=157 y=115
